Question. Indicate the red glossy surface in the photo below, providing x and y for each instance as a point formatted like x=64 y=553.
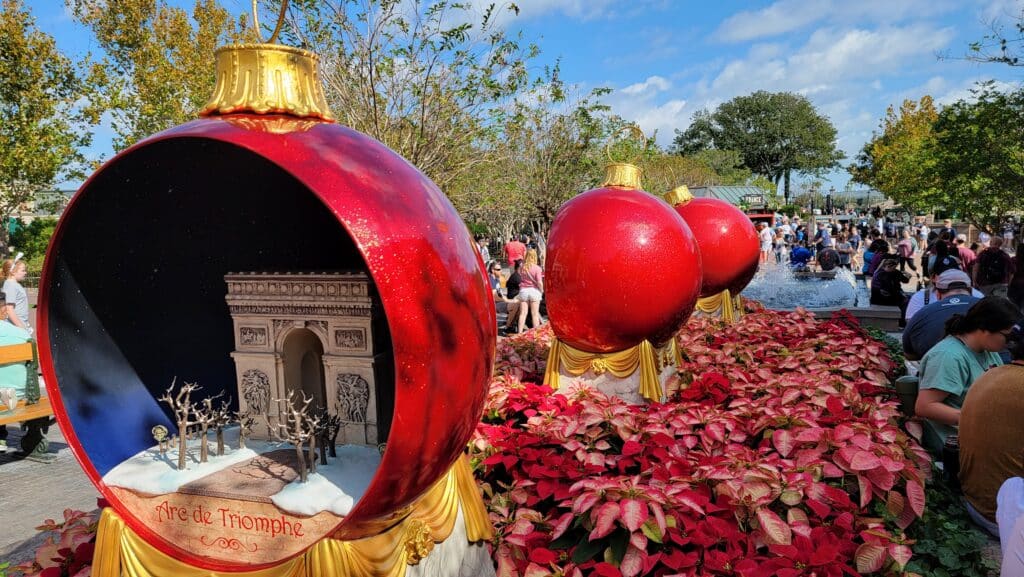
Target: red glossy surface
x=622 y=266
x=399 y=221
x=728 y=242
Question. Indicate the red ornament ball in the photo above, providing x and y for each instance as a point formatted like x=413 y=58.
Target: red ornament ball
x=622 y=266
x=729 y=245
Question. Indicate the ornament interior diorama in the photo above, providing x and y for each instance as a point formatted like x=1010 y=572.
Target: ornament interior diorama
x=262 y=335
x=623 y=275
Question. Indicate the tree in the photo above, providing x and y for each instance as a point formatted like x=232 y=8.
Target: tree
x=776 y=134
x=999 y=46
x=430 y=79
x=901 y=159
x=157 y=71
x=41 y=130
x=182 y=409
x=981 y=155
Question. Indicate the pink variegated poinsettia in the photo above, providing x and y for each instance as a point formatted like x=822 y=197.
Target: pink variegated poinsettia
x=780 y=454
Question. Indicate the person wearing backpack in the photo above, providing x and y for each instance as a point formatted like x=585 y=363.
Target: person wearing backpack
x=992 y=269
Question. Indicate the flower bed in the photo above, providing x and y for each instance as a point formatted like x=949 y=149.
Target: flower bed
x=779 y=454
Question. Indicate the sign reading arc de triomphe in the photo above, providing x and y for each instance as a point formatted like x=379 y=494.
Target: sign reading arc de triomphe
x=321 y=334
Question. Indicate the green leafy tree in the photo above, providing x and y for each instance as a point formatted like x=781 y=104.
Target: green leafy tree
x=981 y=155
x=901 y=160
x=776 y=134
x=433 y=80
x=157 y=70
x=41 y=131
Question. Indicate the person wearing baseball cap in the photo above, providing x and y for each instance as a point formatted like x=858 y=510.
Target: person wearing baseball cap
x=930 y=294
x=927 y=327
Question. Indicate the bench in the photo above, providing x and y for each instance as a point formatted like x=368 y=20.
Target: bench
x=34 y=412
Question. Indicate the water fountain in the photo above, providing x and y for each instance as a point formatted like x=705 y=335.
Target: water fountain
x=780 y=287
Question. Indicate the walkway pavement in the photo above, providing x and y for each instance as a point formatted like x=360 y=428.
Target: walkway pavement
x=32 y=492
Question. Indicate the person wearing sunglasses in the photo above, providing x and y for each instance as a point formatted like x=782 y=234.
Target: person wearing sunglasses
x=970 y=347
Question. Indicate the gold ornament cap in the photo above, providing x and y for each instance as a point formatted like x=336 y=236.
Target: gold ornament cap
x=267 y=79
x=622 y=174
x=678 y=195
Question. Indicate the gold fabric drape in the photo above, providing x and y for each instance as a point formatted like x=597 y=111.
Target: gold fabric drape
x=621 y=364
x=723 y=305
x=120 y=552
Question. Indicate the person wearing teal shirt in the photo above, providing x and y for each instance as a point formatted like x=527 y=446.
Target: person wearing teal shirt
x=12 y=375
x=950 y=367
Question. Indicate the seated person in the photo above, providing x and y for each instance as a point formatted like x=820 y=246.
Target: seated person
x=12 y=375
x=950 y=368
x=992 y=434
x=887 y=285
x=828 y=257
x=799 y=256
x=928 y=295
x=928 y=326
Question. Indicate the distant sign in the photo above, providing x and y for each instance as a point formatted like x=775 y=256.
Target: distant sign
x=753 y=199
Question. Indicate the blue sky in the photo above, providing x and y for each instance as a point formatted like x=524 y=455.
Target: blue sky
x=667 y=59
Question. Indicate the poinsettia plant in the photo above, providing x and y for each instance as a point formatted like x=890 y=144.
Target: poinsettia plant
x=769 y=459
x=68 y=548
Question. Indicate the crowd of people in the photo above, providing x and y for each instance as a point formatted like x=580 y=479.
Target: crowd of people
x=519 y=294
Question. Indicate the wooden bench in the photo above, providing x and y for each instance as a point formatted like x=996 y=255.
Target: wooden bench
x=35 y=417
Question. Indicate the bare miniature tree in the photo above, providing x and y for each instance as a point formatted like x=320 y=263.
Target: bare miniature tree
x=205 y=415
x=330 y=427
x=293 y=427
x=339 y=428
x=323 y=421
x=223 y=419
x=246 y=421
x=182 y=409
x=313 y=426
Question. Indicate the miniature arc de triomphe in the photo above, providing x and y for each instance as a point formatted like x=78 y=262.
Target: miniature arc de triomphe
x=312 y=333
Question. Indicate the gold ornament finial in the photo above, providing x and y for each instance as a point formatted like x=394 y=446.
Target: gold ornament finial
x=623 y=174
x=678 y=195
x=267 y=78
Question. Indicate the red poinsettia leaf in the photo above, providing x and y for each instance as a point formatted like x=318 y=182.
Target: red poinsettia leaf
x=915 y=496
x=869 y=558
x=863 y=461
x=604 y=520
x=894 y=503
x=783 y=441
x=634 y=513
x=630 y=448
x=901 y=554
x=561 y=525
x=606 y=570
x=585 y=502
x=543 y=556
x=776 y=531
x=633 y=562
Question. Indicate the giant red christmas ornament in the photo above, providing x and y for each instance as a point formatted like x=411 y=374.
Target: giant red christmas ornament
x=728 y=242
x=132 y=296
x=622 y=267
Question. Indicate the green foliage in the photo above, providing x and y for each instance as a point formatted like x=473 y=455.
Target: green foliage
x=157 y=71
x=893 y=346
x=776 y=134
x=948 y=544
x=41 y=130
x=32 y=239
x=967 y=158
x=981 y=155
x=901 y=160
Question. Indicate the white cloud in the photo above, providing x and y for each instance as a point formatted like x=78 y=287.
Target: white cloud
x=779 y=18
x=651 y=85
x=785 y=16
